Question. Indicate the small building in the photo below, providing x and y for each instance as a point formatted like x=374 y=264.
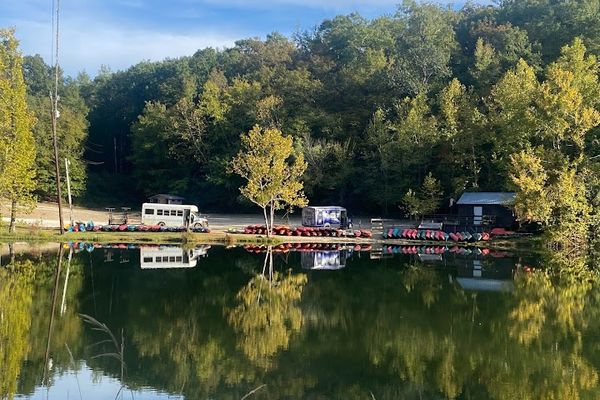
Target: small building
x=481 y=208
x=165 y=199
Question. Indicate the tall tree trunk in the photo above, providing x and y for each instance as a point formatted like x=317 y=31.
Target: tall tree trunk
x=272 y=215
x=13 y=217
x=266 y=219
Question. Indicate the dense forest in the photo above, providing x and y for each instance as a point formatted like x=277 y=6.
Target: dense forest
x=386 y=111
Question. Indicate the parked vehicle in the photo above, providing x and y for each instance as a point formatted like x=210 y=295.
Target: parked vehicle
x=325 y=217
x=172 y=215
x=164 y=257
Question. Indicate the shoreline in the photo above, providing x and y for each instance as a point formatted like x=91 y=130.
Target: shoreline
x=221 y=237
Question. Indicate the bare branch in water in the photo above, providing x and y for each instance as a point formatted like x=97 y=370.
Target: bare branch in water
x=250 y=393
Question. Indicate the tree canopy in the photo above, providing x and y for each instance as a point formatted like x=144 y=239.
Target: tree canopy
x=375 y=106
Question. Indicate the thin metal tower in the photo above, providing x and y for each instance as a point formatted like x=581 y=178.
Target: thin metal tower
x=54 y=111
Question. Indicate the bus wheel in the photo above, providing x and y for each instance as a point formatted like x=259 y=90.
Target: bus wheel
x=161 y=224
x=198 y=225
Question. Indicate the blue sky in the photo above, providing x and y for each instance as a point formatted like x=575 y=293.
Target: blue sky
x=119 y=33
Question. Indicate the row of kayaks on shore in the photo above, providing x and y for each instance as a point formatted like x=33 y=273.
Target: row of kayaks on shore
x=306 y=231
x=90 y=227
x=435 y=235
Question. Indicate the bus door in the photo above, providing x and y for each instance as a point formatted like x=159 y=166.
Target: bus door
x=186 y=217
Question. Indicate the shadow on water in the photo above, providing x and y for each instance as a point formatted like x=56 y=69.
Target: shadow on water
x=297 y=321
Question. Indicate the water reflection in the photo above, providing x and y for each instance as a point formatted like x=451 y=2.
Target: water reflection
x=171 y=256
x=331 y=260
x=399 y=326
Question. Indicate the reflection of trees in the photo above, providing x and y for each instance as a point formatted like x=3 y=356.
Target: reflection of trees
x=427 y=281
x=177 y=338
x=527 y=345
x=396 y=330
x=66 y=328
x=15 y=320
x=267 y=315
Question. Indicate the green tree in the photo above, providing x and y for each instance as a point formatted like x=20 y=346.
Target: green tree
x=530 y=178
x=425 y=47
x=553 y=23
x=463 y=126
x=416 y=134
x=156 y=167
x=567 y=99
x=426 y=201
x=273 y=171
x=513 y=115
x=17 y=147
x=487 y=67
x=553 y=197
x=72 y=127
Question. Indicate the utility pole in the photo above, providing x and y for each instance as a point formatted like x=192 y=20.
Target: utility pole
x=54 y=110
x=67 y=163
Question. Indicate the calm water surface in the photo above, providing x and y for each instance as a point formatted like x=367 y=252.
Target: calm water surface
x=158 y=323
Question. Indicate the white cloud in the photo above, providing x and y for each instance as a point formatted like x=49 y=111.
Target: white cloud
x=89 y=47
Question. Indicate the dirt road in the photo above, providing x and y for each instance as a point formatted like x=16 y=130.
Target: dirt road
x=46 y=215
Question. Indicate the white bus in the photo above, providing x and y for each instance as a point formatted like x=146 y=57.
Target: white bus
x=165 y=257
x=172 y=215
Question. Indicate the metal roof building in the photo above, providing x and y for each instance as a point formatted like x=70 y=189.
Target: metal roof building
x=487 y=198
x=166 y=199
x=488 y=208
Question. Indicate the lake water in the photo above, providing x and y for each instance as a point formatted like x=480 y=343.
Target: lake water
x=206 y=323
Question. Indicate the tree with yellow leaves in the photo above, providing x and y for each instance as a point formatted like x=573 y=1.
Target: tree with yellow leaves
x=17 y=146
x=273 y=170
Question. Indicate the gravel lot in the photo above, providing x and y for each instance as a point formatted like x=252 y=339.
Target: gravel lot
x=46 y=215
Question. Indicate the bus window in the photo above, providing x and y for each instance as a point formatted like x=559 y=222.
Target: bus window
x=173 y=213
x=171 y=259
x=149 y=211
x=158 y=212
x=179 y=213
x=178 y=259
x=147 y=259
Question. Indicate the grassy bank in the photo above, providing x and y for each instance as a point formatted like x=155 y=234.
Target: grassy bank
x=34 y=234
x=40 y=235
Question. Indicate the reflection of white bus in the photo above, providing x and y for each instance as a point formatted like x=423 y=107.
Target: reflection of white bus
x=170 y=257
x=172 y=215
x=332 y=259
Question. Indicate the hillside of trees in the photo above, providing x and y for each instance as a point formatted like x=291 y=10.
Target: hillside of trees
x=502 y=97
